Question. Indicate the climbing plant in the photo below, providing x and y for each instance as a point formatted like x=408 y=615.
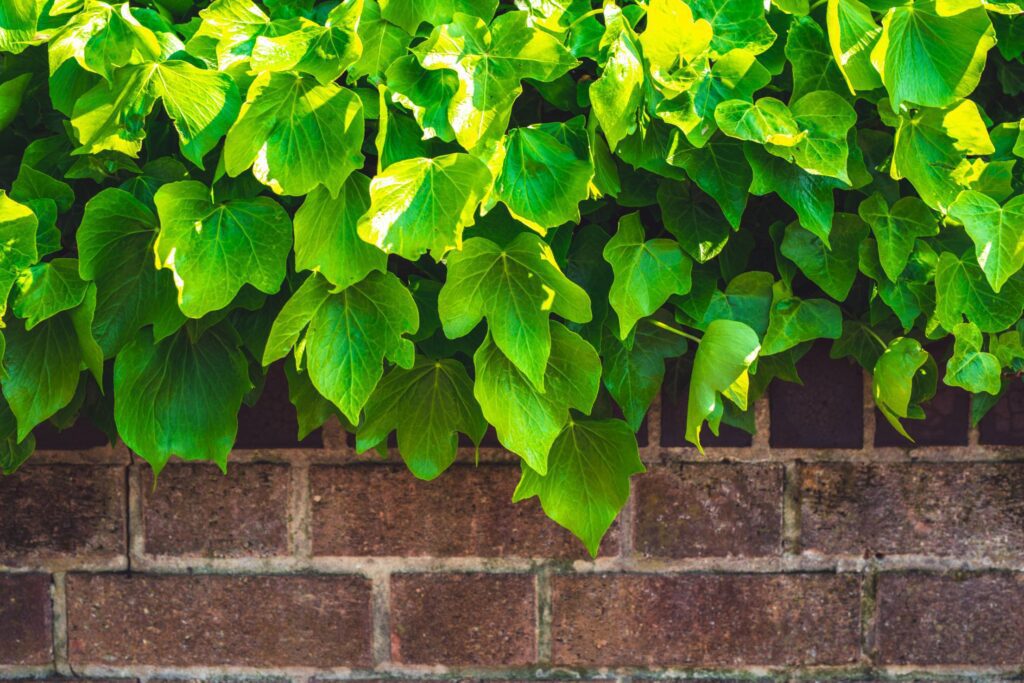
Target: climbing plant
x=445 y=215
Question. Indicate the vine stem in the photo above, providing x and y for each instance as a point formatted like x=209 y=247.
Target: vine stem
x=584 y=17
x=669 y=328
x=875 y=337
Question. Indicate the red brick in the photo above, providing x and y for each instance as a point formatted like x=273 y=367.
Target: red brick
x=26 y=623
x=709 y=511
x=976 y=619
x=209 y=620
x=468 y=511
x=956 y=509
x=702 y=619
x=55 y=511
x=463 y=619
x=195 y=510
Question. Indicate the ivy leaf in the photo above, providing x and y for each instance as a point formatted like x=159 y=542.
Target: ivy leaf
x=795 y=321
x=115 y=248
x=181 y=396
x=809 y=195
x=324 y=51
x=720 y=169
x=997 y=232
x=528 y=421
x=18 y=21
x=13 y=453
x=971 y=368
x=736 y=24
x=542 y=181
x=311 y=409
x=633 y=374
x=102 y=38
x=824 y=119
x=813 y=65
x=647 y=273
x=675 y=45
x=747 y=299
x=47 y=289
x=294 y=317
x=228 y=32
x=618 y=93
x=490 y=63
x=517 y=288
x=326 y=238
x=32 y=184
x=18 y=226
x=383 y=43
x=588 y=479
x=929 y=58
x=409 y=15
x=351 y=334
x=897 y=228
x=421 y=91
x=832 y=266
x=693 y=219
x=962 y=290
x=427 y=406
x=214 y=249
x=725 y=353
x=903 y=372
x=423 y=204
x=852 y=34
x=296 y=134
x=764 y=121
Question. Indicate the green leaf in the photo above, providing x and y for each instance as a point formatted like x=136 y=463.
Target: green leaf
x=633 y=374
x=795 y=321
x=526 y=420
x=618 y=92
x=736 y=24
x=383 y=44
x=423 y=204
x=409 y=15
x=693 y=219
x=11 y=93
x=720 y=169
x=296 y=134
x=228 y=32
x=859 y=342
x=516 y=287
x=542 y=181
x=180 y=396
x=326 y=238
x=747 y=299
x=720 y=369
x=764 y=121
x=997 y=232
x=311 y=409
x=852 y=34
x=490 y=63
x=647 y=273
x=46 y=289
x=675 y=45
x=18 y=21
x=324 y=51
x=215 y=248
x=929 y=58
x=588 y=478
x=814 y=67
x=824 y=119
x=32 y=184
x=903 y=365
x=962 y=290
x=352 y=332
x=102 y=38
x=832 y=266
x=294 y=318
x=427 y=406
x=809 y=195
x=897 y=228
x=13 y=453
x=17 y=243
x=971 y=368
x=425 y=93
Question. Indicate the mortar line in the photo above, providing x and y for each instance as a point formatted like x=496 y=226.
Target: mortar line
x=380 y=612
x=542 y=589
x=973 y=430
x=869 y=615
x=59 y=607
x=761 y=440
x=868 y=426
x=136 y=522
x=791 y=509
x=300 y=543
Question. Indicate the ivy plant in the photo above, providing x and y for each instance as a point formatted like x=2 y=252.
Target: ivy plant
x=450 y=216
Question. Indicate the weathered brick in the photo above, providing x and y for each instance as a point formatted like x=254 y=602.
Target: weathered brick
x=80 y=436
x=709 y=510
x=1004 y=424
x=208 y=620
x=955 y=509
x=195 y=510
x=26 y=630
x=703 y=619
x=463 y=619
x=825 y=411
x=384 y=510
x=973 y=619
x=52 y=511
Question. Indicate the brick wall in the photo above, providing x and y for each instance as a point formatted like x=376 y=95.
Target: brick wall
x=820 y=549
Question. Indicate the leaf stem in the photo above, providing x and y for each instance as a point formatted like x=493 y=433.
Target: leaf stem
x=875 y=336
x=669 y=328
x=816 y=5
x=584 y=17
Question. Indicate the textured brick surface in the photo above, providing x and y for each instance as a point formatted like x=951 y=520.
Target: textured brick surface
x=824 y=412
x=51 y=511
x=708 y=511
x=1004 y=424
x=938 y=508
x=197 y=510
x=699 y=619
x=482 y=619
x=384 y=510
x=272 y=421
x=935 y=619
x=26 y=629
x=315 y=621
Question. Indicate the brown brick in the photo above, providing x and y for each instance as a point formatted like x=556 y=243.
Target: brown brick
x=52 y=511
x=702 y=619
x=463 y=619
x=975 y=619
x=468 y=511
x=26 y=630
x=954 y=509
x=196 y=510
x=208 y=620
x=709 y=511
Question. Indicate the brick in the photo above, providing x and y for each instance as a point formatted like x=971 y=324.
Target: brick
x=709 y=510
x=953 y=509
x=210 y=620
x=946 y=422
x=272 y=422
x=674 y=393
x=55 y=511
x=80 y=436
x=26 y=622
x=364 y=510
x=195 y=510
x=463 y=619
x=1004 y=424
x=974 y=619
x=825 y=411
x=704 y=619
